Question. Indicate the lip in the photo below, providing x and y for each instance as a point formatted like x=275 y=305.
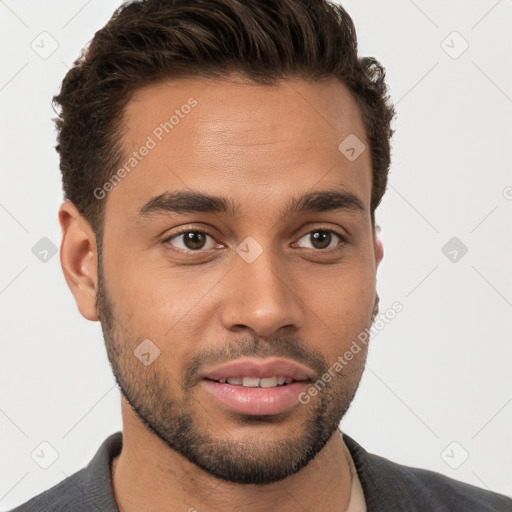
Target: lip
x=259 y=368
x=256 y=401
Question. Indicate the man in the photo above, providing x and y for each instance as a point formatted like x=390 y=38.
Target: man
x=222 y=162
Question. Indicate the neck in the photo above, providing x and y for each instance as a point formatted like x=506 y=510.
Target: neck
x=148 y=471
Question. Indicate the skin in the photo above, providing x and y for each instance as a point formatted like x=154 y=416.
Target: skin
x=257 y=146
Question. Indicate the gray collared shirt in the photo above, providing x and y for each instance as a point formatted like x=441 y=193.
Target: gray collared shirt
x=387 y=486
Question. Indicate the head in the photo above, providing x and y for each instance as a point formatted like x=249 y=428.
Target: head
x=222 y=162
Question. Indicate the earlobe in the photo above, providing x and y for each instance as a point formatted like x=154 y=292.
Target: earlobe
x=78 y=257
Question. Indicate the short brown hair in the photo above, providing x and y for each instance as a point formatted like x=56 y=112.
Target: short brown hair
x=153 y=40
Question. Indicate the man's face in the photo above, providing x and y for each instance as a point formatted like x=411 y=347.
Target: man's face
x=268 y=282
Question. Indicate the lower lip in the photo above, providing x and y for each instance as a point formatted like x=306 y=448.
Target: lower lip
x=256 y=401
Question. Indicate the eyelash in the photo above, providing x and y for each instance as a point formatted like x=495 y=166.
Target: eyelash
x=190 y=253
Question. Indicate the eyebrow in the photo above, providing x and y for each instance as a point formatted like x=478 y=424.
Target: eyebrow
x=184 y=201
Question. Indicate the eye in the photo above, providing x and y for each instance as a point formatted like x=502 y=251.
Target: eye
x=190 y=240
x=322 y=239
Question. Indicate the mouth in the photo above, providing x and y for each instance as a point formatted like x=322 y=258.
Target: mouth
x=257 y=386
x=258 y=372
x=255 y=382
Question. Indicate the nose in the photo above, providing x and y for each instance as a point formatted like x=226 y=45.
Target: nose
x=262 y=297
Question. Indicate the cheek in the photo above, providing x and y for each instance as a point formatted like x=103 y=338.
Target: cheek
x=341 y=305
x=170 y=307
x=345 y=292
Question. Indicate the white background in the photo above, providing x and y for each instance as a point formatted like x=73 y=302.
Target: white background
x=438 y=373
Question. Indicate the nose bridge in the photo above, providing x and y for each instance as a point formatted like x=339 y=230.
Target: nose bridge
x=259 y=294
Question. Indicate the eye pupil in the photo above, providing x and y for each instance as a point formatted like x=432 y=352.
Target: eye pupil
x=321 y=236
x=193 y=239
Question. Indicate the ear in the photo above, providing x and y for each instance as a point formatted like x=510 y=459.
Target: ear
x=378 y=246
x=78 y=258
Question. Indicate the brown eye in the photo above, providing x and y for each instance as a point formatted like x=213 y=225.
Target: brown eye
x=194 y=240
x=191 y=240
x=322 y=239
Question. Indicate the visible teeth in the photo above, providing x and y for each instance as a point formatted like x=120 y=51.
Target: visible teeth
x=254 y=382
x=269 y=382
x=250 y=382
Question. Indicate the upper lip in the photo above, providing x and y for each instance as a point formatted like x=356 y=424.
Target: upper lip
x=259 y=368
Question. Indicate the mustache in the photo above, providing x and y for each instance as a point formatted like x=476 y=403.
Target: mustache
x=287 y=347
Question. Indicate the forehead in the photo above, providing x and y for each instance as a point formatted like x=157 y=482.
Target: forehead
x=230 y=137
